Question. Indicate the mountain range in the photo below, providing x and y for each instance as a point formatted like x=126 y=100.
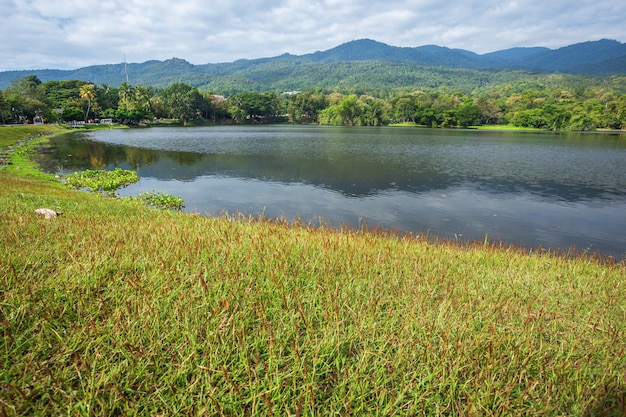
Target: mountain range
x=353 y=63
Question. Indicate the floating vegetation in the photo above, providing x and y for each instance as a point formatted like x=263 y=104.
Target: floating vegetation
x=101 y=181
x=161 y=200
x=108 y=181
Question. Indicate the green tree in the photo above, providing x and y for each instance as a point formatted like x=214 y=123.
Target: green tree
x=72 y=113
x=349 y=110
x=87 y=92
x=468 y=114
x=216 y=107
x=107 y=99
x=373 y=111
x=142 y=100
x=25 y=99
x=28 y=87
x=58 y=92
x=126 y=95
x=404 y=109
x=3 y=108
x=182 y=102
x=490 y=109
x=617 y=113
x=305 y=107
x=134 y=103
x=253 y=107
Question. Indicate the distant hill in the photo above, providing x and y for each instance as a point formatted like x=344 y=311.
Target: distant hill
x=353 y=64
x=588 y=57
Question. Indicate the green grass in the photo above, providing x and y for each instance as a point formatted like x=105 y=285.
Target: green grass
x=117 y=309
x=10 y=135
x=16 y=142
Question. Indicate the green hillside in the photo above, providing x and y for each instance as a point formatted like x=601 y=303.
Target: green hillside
x=360 y=65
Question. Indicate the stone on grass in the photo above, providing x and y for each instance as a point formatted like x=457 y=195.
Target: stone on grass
x=47 y=213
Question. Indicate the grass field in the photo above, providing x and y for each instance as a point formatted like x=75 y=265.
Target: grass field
x=116 y=309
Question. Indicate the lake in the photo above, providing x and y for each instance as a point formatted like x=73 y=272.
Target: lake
x=554 y=190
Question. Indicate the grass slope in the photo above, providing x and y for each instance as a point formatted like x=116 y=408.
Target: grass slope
x=116 y=309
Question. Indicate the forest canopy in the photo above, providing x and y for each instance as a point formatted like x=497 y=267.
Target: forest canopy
x=551 y=103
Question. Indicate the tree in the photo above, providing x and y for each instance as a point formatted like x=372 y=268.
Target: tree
x=253 y=107
x=87 y=92
x=490 y=111
x=216 y=107
x=142 y=100
x=182 y=102
x=373 y=111
x=57 y=93
x=126 y=94
x=29 y=86
x=134 y=103
x=25 y=99
x=404 y=109
x=2 y=109
x=305 y=107
x=107 y=97
x=72 y=113
x=468 y=114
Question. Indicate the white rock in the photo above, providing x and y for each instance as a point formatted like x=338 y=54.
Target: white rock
x=47 y=213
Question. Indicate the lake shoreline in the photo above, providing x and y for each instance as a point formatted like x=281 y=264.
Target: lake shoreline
x=535 y=189
x=571 y=251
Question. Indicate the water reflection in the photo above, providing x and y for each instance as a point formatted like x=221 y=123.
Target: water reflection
x=535 y=189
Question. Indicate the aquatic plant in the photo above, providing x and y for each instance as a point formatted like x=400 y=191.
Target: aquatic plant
x=101 y=181
x=161 y=200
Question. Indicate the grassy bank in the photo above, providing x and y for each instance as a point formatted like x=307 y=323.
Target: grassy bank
x=10 y=135
x=116 y=309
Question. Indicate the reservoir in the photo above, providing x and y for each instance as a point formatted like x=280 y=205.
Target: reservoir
x=534 y=189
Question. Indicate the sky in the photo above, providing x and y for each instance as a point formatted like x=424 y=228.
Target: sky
x=69 y=34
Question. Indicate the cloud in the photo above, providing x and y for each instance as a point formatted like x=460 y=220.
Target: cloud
x=70 y=33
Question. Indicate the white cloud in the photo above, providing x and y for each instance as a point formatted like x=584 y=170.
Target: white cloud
x=71 y=33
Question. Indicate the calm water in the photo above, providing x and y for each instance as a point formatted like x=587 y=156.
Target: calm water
x=533 y=189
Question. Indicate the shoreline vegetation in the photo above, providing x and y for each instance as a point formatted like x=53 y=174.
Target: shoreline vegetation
x=550 y=104
x=118 y=309
x=481 y=127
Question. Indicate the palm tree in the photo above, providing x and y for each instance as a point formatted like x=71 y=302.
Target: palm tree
x=88 y=92
x=126 y=96
x=142 y=97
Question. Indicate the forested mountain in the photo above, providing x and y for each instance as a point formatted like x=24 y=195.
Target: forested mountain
x=361 y=64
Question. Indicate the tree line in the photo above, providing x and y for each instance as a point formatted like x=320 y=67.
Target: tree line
x=29 y=100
